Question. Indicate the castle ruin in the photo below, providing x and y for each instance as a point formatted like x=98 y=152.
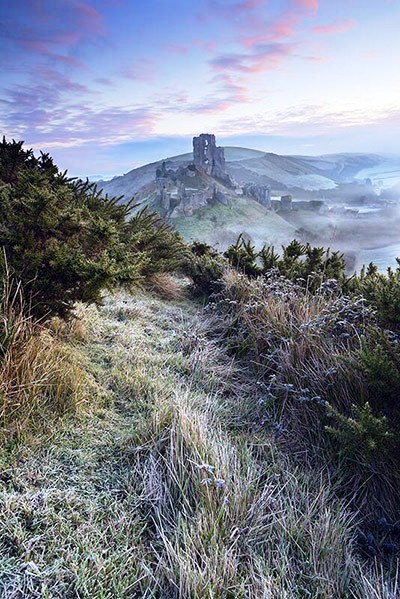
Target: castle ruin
x=208 y=157
x=259 y=193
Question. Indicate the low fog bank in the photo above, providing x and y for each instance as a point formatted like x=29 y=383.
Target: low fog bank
x=369 y=234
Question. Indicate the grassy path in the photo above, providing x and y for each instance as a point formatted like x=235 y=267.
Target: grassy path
x=150 y=492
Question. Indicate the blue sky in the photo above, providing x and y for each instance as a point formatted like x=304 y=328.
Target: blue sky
x=107 y=85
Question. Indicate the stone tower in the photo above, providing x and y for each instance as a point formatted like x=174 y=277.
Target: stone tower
x=208 y=157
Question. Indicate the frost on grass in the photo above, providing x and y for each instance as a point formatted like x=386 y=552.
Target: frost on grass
x=157 y=492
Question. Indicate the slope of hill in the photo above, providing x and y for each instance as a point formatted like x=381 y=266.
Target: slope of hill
x=282 y=173
x=221 y=225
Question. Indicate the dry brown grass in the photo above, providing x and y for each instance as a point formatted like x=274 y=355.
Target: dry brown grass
x=40 y=372
x=295 y=337
x=165 y=286
x=303 y=347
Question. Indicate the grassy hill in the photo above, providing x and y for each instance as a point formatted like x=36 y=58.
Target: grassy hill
x=337 y=176
x=221 y=225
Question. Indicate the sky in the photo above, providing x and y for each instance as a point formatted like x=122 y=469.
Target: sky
x=108 y=85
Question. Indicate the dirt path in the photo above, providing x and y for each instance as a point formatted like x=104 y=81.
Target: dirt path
x=69 y=523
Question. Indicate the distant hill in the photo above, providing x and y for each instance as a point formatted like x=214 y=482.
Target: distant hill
x=282 y=173
x=220 y=221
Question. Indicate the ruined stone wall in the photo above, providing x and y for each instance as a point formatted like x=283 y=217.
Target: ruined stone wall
x=260 y=193
x=286 y=203
x=177 y=196
x=208 y=157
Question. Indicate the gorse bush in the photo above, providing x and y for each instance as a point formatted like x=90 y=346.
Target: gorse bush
x=381 y=290
x=379 y=361
x=205 y=266
x=243 y=256
x=331 y=375
x=306 y=265
x=162 y=250
x=65 y=242
x=302 y=263
x=362 y=437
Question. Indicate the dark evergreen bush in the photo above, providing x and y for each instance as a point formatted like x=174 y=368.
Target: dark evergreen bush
x=205 y=266
x=301 y=263
x=67 y=243
x=382 y=291
x=242 y=255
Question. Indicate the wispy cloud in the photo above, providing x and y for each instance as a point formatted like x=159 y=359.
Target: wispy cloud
x=79 y=124
x=262 y=58
x=49 y=29
x=265 y=41
x=314 y=118
x=260 y=40
x=139 y=70
x=308 y=5
x=339 y=26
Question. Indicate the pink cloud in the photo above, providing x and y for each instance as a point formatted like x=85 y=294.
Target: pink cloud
x=229 y=12
x=336 y=27
x=52 y=30
x=246 y=5
x=266 y=42
x=230 y=88
x=311 y=5
x=262 y=58
x=254 y=28
x=41 y=111
x=274 y=32
x=227 y=91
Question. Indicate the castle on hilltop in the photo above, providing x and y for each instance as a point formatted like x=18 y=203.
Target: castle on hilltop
x=203 y=181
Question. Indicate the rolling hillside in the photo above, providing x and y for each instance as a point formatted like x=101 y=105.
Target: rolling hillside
x=282 y=173
x=335 y=177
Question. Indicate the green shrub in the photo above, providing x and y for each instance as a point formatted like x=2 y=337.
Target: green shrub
x=305 y=263
x=164 y=248
x=242 y=255
x=65 y=242
x=301 y=263
x=205 y=266
x=382 y=291
x=379 y=362
x=269 y=258
x=363 y=438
